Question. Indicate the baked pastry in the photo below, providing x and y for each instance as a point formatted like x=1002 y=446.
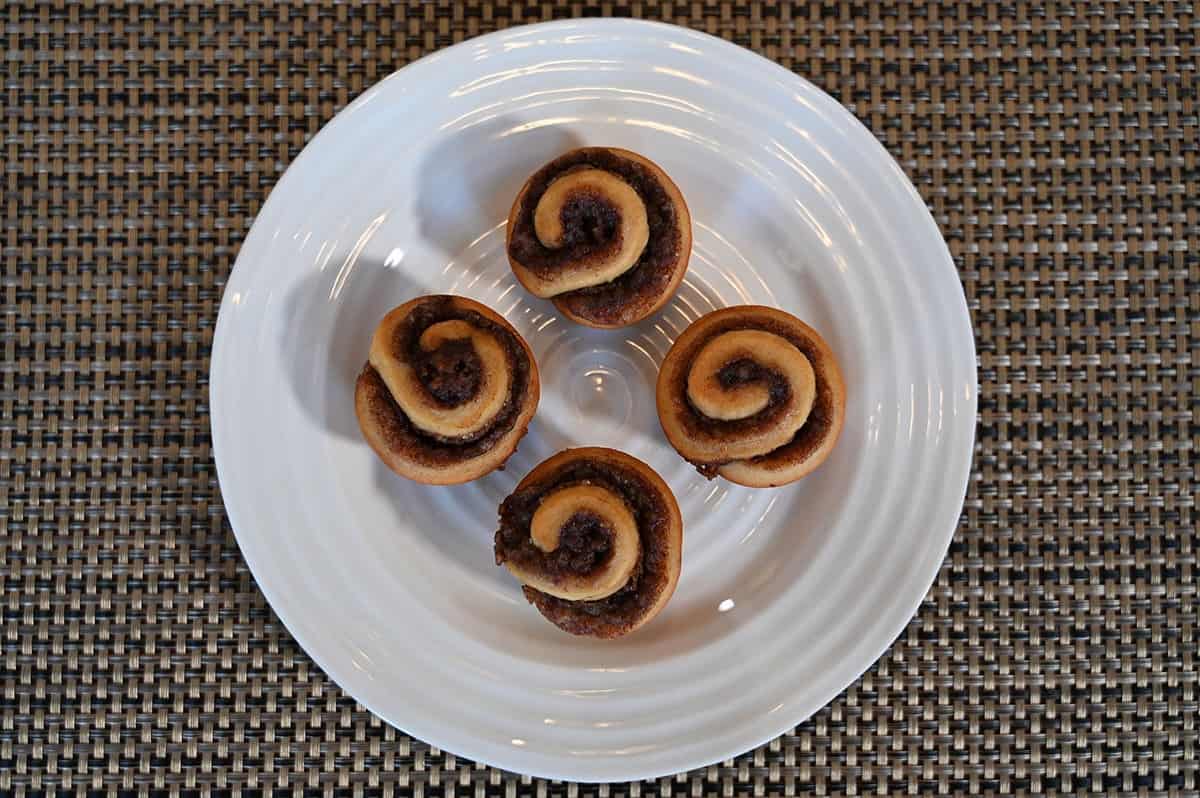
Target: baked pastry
x=448 y=390
x=753 y=394
x=595 y=537
x=604 y=233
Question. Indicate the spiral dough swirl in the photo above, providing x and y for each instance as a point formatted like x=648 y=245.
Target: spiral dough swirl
x=593 y=205
x=431 y=387
x=602 y=232
x=753 y=394
x=590 y=526
x=594 y=536
x=448 y=390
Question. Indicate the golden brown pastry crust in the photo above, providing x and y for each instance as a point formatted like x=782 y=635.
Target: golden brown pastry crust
x=422 y=455
x=596 y=229
x=726 y=446
x=660 y=529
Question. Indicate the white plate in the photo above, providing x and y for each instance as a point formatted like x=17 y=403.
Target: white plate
x=786 y=595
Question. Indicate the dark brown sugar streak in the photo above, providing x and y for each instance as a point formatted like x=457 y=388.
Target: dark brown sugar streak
x=585 y=544
x=398 y=433
x=809 y=436
x=650 y=276
x=622 y=610
x=451 y=374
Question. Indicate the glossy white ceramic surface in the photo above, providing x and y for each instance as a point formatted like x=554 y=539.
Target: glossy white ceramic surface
x=786 y=595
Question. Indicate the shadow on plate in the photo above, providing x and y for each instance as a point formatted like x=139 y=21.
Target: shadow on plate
x=469 y=180
x=458 y=521
x=333 y=320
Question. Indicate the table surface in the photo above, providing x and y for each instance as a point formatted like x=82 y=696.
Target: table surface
x=1056 y=144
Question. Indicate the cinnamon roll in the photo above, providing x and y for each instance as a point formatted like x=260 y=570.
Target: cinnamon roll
x=753 y=394
x=448 y=390
x=604 y=233
x=595 y=538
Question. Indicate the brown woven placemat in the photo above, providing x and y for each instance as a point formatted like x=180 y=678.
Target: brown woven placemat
x=1057 y=146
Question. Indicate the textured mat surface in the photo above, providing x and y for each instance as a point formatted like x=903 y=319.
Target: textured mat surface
x=1057 y=146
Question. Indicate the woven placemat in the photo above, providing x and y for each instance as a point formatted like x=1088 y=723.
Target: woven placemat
x=1057 y=146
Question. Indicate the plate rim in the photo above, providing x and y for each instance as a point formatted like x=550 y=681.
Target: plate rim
x=581 y=769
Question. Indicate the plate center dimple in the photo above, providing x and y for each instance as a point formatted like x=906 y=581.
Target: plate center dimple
x=601 y=393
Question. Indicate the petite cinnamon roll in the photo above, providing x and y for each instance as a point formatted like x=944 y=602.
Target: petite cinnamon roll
x=448 y=390
x=604 y=233
x=595 y=538
x=753 y=394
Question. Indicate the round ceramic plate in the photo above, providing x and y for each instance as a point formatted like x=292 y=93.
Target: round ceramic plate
x=787 y=595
